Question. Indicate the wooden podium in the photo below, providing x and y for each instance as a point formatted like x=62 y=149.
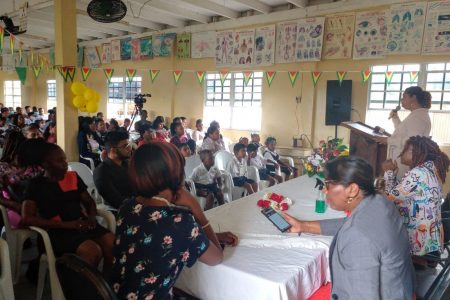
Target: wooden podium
x=365 y=142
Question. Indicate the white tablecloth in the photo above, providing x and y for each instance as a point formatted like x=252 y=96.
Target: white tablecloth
x=267 y=264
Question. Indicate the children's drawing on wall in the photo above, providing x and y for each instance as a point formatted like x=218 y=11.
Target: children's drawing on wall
x=115 y=50
x=163 y=44
x=310 y=39
x=338 y=37
x=184 y=45
x=286 y=41
x=244 y=42
x=436 y=39
x=106 y=53
x=125 y=49
x=224 y=48
x=203 y=44
x=92 y=57
x=135 y=49
x=370 y=35
x=405 y=28
x=146 y=47
x=264 y=46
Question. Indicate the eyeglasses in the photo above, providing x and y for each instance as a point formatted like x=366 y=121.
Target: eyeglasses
x=123 y=146
x=329 y=182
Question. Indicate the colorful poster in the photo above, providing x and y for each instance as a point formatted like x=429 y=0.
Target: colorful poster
x=115 y=50
x=92 y=57
x=135 y=49
x=338 y=38
x=146 y=48
x=436 y=39
x=224 y=48
x=309 y=39
x=163 y=44
x=125 y=49
x=264 y=46
x=286 y=41
x=405 y=28
x=203 y=44
x=80 y=56
x=244 y=44
x=184 y=45
x=370 y=35
x=106 y=53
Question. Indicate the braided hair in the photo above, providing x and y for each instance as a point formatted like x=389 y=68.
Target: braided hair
x=425 y=149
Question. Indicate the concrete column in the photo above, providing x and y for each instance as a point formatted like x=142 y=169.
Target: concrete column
x=66 y=55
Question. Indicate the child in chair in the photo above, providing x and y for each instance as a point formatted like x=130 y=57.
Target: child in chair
x=256 y=160
x=274 y=161
x=238 y=169
x=207 y=180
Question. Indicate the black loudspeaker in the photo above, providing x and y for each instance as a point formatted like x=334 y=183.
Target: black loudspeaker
x=339 y=102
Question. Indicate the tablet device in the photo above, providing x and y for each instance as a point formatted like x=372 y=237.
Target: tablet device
x=276 y=219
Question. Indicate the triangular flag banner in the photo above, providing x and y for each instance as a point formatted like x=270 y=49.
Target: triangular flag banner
x=153 y=74
x=365 y=75
x=293 y=75
x=247 y=77
x=109 y=74
x=2 y=35
x=341 y=75
x=315 y=77
x=200 y=76
x=22 y=73
x=12 y=40
x=20 y=52
x=130 y=74
x=223 y=76
x=36 y=71
x=71 y=72
x=177 y=75
x=389 y=76
x=270 y=75
x=32 y=57
x=63 y=71
x=413 y=75
x=85 y=73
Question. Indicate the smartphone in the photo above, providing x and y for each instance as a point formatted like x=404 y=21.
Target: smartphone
x=276 y=219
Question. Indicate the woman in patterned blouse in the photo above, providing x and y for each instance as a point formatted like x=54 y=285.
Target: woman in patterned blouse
x=418 y=195
x=162 y=230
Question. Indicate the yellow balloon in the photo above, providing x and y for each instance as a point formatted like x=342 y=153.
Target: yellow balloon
x=78 y=101
x=83 y=108
x=92 y=106
x=88 y=94
x=77 y=88
x=96 y=97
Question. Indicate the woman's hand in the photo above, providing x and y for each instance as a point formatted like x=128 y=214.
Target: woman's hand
x=227 y=238
x=296 y=224
x=389 y=165
x=393 y=115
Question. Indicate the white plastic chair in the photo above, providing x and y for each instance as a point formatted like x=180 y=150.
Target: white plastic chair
x=15 y=239
x=231 y=147
x=6 y=285
x=91 y=162
x=193 y=191
x=88 y=178
x=47 y=261
x=191 y=162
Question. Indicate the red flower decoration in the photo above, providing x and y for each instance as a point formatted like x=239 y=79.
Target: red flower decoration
x=277 y=198
x=284 y=206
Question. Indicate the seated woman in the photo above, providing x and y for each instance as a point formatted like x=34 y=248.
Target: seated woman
x=178 y=134
x=88 y=141
x=162 y=134
x=418 y=195
x=369 y=256
x=53 y=201
x=50 y=133
x=161 y=230
x=147 y=134
x=213 y=141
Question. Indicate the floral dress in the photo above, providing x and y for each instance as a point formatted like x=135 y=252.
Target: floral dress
x=418 y=197
x=153 y=244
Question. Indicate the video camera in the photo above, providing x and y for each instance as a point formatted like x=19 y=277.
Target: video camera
x=140 y=99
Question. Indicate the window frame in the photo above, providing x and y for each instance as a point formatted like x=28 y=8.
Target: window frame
x=14 y=96
x=125 y=91
x=49 y=97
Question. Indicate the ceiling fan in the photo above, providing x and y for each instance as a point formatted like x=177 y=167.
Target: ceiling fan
x=107 y=11
x=9 y=26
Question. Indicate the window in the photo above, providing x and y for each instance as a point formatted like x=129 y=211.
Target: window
x=121 y=94
x=235 y=105
x=51 y=94
x=433 y=77
x=12 y=93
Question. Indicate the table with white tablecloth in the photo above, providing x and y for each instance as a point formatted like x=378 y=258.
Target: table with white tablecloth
x=267 y=264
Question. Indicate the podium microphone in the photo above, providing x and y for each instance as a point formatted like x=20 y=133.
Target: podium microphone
x=395 y=110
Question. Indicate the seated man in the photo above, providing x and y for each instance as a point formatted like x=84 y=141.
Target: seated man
x=111 y=176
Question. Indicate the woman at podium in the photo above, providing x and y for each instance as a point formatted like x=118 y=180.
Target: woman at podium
x=418 y=122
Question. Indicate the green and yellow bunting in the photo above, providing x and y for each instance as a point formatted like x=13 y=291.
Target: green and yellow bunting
x=413 y=75
x=109 y=74
x=22 y=74
x=247 y=77
x=63 y=71
x=200 y=75
x=270 y=75
x=71 y=72
x=12 y=40
x=341 y=75
x=315 y=76
x=20 y=52
x=130 y=74
x=36 y=71
x=293 y=76
x=2 y=36
x=389 y=76
x=153 y=75
x=223 y=76
x=85 y=73
x=365 y=75
x=177 y=75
